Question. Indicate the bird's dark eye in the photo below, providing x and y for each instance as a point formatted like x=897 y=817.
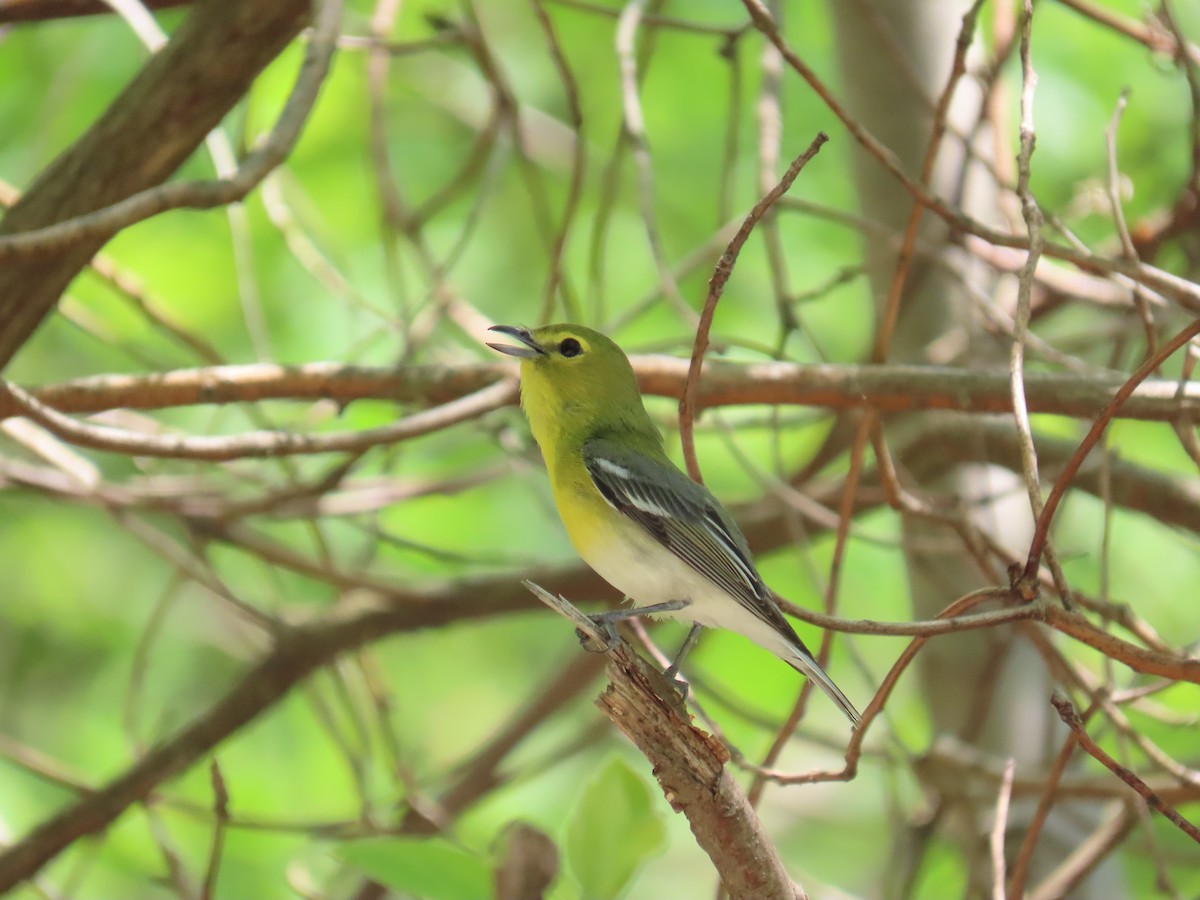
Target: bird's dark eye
x=570 y=347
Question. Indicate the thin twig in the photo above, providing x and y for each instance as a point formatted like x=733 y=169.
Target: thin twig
x=854 y=749
x=1070 y=717
x=1141 y=302
x=1033 y=223
x=1179 y=289
x=1000 y=829
x=1089 y=855
x=570 y=88
x=220 y=824
x=201 y=194
x=1042 y=528
x=958 y=68
x=1156 y=39
x=635 y=128
x=1024 y=857
x=716 y=286
x=257 y=443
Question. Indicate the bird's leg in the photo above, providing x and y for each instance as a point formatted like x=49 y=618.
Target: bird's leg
x=672 y=672
x=607 y=620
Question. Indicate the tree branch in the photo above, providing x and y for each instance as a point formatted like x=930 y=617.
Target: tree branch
x=149 y=130
x=1070 y=717
x=46 y=10
x=297 y=653
x=689 y=764
x=886 y=388
x=690 y=768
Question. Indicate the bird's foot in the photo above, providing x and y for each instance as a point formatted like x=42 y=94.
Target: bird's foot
x=606 y=640
x=677 y=681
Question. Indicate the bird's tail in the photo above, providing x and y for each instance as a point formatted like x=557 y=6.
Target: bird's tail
x=802 y=662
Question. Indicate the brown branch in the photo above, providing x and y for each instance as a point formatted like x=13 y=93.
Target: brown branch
x=1158 y=39
x=690 y=768
x=257 y=444
x=266 y=381
x=1184 y=292
x=854 y=749
x=1166 y=499
x=46 y=10
x=1069 y=716
x=1034 y=221
x=1024 y=857
x=689 y=764
x=1148 y=662
x=297 y=654
x=887 y=389
x=150 y=129
x=106 y=221
x=1000 y=828
x=1046 y=516
x=220 y=824
x=716 y=287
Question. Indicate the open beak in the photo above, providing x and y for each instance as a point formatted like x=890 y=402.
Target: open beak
x=531 y=349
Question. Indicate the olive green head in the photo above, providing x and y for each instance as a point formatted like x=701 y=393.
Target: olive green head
x=574 y=380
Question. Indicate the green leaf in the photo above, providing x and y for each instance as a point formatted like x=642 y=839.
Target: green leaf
x=425 y=867
x=613 y=829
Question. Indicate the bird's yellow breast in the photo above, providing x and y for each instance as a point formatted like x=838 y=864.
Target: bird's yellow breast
x=592 y=525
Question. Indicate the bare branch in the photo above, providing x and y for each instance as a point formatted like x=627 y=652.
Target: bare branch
x=46 y=10
x=690 y=768
x=259 y=443
x=297 y=653
x=1093 y=436
x=888 y=389
x=1068 y=714
x=179 y=97
x=716 y=286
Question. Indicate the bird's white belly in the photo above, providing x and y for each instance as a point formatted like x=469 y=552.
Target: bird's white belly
x=649 y=573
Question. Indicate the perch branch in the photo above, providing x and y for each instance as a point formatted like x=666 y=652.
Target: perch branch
x=690 y=768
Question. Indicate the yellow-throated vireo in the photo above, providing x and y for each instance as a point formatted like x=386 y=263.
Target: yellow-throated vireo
x=645 y=527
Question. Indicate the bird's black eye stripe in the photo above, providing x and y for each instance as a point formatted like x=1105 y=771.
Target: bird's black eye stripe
x=570 y=347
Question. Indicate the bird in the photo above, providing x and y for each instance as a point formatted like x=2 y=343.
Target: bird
x=645 y=527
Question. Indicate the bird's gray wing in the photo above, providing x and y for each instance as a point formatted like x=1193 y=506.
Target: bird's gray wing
x=686 y=519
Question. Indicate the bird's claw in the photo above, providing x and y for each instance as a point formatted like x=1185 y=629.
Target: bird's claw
x=594 y=643
x=678 y=682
